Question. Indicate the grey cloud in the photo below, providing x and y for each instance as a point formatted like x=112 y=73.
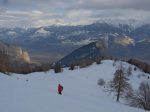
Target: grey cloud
x=79 y=4
x=73 y=12
x=38 y=4
x=113 y=4
x=72 y=17
x=27 y=18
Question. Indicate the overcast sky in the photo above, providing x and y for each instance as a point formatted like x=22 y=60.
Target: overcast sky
x=36 y=13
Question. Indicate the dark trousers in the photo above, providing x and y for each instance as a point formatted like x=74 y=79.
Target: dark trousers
x=59 y=92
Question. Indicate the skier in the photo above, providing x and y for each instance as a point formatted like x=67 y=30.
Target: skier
x=60 y=89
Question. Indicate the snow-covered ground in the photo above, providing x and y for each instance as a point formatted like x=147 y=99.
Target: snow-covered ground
x=37 y=92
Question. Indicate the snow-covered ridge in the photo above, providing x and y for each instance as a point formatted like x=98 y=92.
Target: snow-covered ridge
x=42 y=30
x=79 y=43
x=41 y=33
x=37 y=92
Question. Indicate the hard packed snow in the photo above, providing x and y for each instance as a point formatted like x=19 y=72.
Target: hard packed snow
x=37 y=92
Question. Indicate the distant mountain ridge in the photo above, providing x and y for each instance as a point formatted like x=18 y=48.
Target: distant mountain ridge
x=58 y=41
x=110 y=49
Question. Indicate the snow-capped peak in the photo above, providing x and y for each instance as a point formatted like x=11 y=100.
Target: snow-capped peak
x=12 y=33
x=42 y=31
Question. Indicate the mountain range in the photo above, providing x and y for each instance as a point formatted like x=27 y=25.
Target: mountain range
x=55 y=42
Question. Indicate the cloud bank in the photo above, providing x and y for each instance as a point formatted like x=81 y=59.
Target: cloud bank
x=36 y=13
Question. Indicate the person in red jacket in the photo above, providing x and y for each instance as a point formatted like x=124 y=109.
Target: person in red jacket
x=60 y=89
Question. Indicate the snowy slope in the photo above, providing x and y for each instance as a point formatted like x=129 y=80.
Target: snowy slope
x=37 y=92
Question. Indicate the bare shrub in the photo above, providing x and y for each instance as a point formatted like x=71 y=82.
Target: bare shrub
x=98 y=60
x=129 y=71
x=135 y=68
x=114 y=63
x=57 y=69
x=141 y=97
x=101 y=82
x=71 y=67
